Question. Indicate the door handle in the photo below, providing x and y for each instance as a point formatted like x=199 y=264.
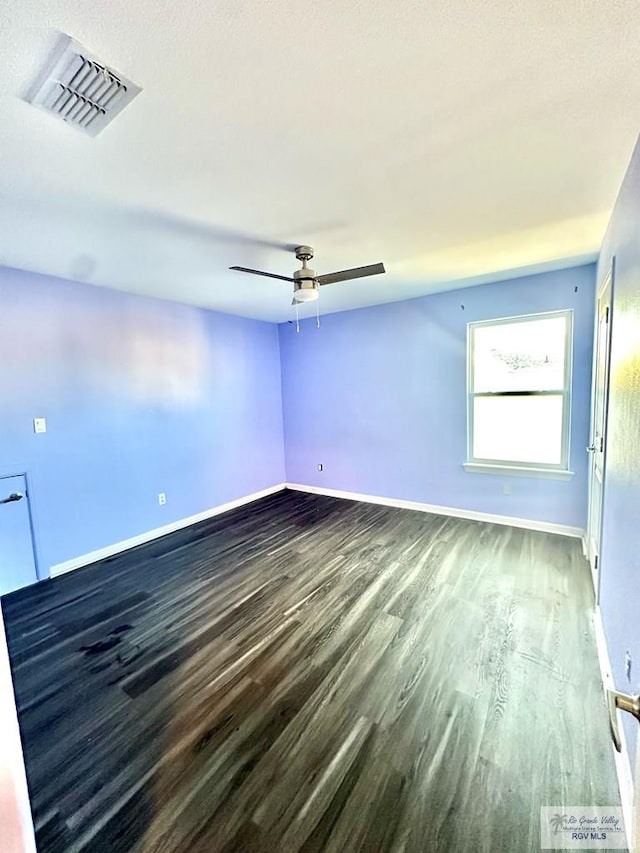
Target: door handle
x=624 y=702
x=591 y=448
x=14 y=496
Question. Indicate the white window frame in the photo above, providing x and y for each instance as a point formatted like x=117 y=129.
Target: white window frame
x=479 y=465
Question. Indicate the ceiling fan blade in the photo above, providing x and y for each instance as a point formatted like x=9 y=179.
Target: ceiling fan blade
x=260 y=272
x=345 y=275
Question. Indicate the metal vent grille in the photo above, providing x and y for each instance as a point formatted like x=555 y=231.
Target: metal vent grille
x=81 y=90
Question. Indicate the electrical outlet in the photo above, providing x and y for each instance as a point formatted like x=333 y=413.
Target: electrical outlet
x=39 y=424
x=162 y=498
x=506 y=488
x=320 y=466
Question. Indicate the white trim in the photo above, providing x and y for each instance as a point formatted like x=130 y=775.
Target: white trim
x=566 y=391
x=517 y=470
x=594 y=543
x=623 y=764
x=455 y=512
x=17 y=823
x=593 y=558
x=583 y=542
x=125 y=544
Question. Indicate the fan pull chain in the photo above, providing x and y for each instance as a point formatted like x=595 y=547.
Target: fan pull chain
x=297 y=319
x=317 y=315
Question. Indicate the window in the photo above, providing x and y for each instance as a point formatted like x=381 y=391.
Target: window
x=519 y=391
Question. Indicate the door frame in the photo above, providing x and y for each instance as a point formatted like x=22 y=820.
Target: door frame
x=595 y=559
x=21 y=471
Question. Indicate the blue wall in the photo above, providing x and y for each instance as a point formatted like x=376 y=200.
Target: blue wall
x=141 y=396
x=620 y=558
x=378 y=396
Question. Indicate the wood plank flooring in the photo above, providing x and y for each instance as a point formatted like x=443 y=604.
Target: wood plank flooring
x=311 y=674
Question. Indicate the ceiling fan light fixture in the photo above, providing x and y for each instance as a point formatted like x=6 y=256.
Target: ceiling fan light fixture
x=306 y=294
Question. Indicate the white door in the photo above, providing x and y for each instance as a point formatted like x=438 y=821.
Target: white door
x=597 y=446
x=17 y=561
x=16 y=827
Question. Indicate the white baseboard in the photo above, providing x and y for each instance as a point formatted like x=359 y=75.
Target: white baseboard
x=118 y=547
x=623 y=764
x=510 y=521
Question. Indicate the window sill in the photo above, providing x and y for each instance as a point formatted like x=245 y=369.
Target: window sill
x=517 y=471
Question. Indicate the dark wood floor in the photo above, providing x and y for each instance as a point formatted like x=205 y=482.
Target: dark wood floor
x=312 y=674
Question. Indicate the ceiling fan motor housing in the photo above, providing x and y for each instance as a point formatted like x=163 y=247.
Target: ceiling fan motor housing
x=305 y=288
x=304 y=253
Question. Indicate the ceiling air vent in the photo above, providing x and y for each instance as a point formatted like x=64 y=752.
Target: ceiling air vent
x=82 y=90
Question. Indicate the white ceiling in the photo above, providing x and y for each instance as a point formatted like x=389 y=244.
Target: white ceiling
x=452 y=140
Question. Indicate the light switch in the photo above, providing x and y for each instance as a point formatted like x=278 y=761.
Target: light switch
x=39 y=424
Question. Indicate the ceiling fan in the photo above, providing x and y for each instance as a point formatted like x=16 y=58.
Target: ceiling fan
x=306 y=283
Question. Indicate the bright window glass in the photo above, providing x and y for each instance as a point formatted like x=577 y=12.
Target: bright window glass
x=518 y=429
x=519 y=390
